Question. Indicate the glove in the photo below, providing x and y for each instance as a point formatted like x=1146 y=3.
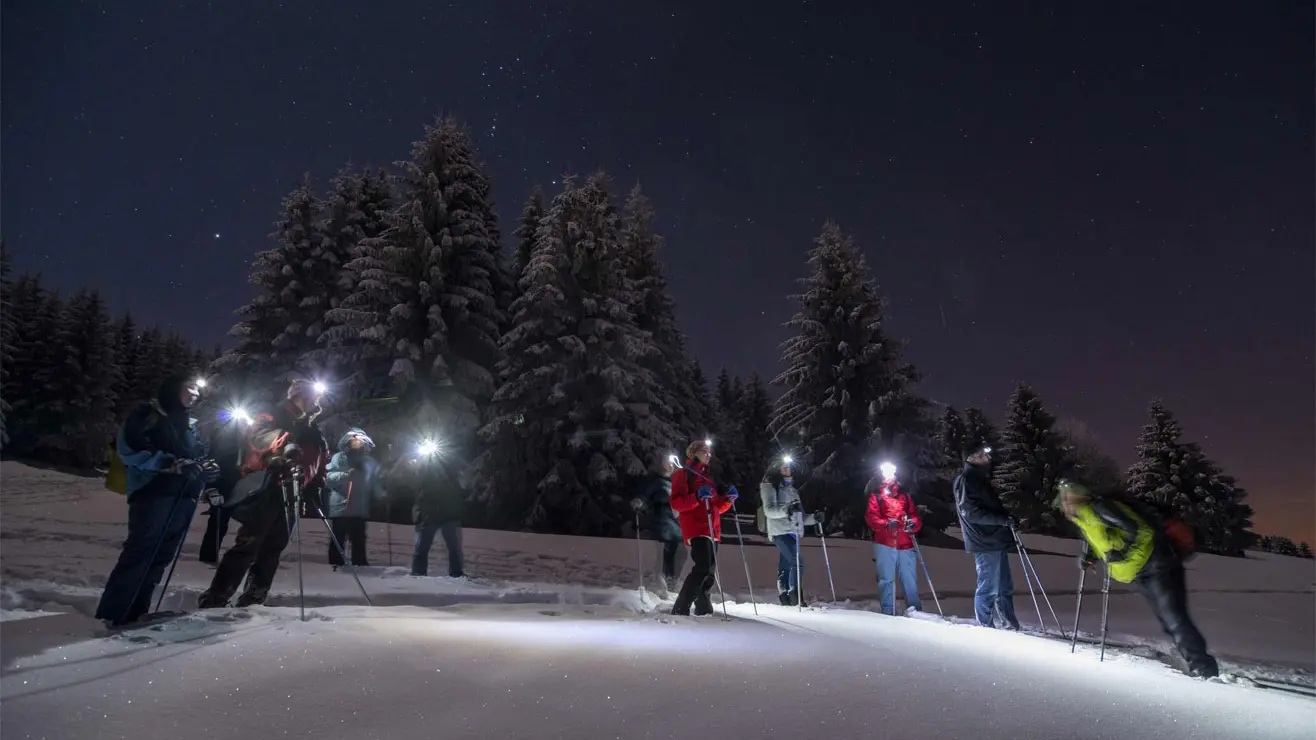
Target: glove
x=637 y=505
x=794 y=508
x=909 y=524
x=1011 y=522
x=704 y=493
x=732 y=493
x=209 y=471
x=1085 y=562
x=213 y=497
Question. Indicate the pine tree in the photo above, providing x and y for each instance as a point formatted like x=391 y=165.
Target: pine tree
x=848 y=393
x=22 y=389
x=1086 y=461
x=729 y=464
x=428 y=295
x=1029 y=463
x=953 y=438
x=578 y=412
x=655 y=313
x=7 y=332
x=525 y=233
x=979 y=432
x=151 y=369
x=1177 y=479
x=86 y=381
x=760 y=449
x=1304 y=551
x=126 y=351
x=700 y=411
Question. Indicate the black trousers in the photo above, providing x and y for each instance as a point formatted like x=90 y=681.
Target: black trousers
x=216 y=528
x=1162 y=583
x=669 y=558
x=347 y=529
x=700 y=582
x=255 y=554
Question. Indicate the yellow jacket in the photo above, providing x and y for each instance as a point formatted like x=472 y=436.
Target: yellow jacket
x=1116 y=534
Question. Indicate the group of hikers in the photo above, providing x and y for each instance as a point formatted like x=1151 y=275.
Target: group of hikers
x=253 y=472
x=246 y=473
x=686 y=506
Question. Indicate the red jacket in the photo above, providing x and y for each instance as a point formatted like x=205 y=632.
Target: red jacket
x=690 y=511
x=889 y=504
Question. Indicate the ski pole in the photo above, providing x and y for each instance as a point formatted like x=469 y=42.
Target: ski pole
x=341 y=553
x=295 y=532
x=1027 y=579
x=712 y=543
x=1027 y=561
x=388 y=526
x=182 y=540
x=1105 y=607
x=1078 y=608
x=141 y=584
x=926 y=574
x=799 y=570
x=639 y=550
x=822 y=537
x=740 y=538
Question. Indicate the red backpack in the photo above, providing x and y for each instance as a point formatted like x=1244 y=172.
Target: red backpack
x=1181 y=536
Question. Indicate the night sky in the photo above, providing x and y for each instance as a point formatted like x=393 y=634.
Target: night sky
x=1113 y=202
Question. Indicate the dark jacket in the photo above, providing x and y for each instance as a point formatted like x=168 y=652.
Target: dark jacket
x=656 y=493
x=266 y=441
x=353 y=479
x=155 y=438
x=983 y=519
x=439 y=496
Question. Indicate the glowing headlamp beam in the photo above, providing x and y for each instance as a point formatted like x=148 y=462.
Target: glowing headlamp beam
x=888 y=469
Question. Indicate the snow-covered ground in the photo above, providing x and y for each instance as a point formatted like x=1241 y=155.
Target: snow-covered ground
x=551 y=638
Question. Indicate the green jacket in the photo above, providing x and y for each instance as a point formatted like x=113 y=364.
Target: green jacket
x=1116 y=534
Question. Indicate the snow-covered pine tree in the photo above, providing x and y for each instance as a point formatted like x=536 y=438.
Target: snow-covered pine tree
x=1304 y=551
x=848 y=393
x=655 y=313
x=578 y=410
x=979 y=431
x=151 y=369
x=87 y=381
x=729 y=452
x=953 y=438
x=49 y=350
x=700 y=410
x=526 y=231
x=277 y=327
x=7 y=331
x=1029 y=463
x=427 y=299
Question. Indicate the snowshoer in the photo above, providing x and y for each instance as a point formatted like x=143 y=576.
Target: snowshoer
x=894 y=519
x=1136 y=549
x=988 y=533
x=785 y=520
x=353 y=481
x=271 y=439
x=695 y=500
x=654 y=495
x=162 y=456
x=437 y=510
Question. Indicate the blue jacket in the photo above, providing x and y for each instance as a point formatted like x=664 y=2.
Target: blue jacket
x=353 y=479
x=155 y=438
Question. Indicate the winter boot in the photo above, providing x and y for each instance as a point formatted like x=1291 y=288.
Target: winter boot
x=251 y=598
x=1204 y=667
x=208 y=600
x=703 y=605
x=784 y=598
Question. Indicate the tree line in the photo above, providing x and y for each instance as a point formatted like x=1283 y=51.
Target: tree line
x=70 y=372
x=556 y=376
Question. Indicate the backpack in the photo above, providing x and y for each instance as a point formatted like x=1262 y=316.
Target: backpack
x=116 y=479
x=761 y=520
x=1181 y=537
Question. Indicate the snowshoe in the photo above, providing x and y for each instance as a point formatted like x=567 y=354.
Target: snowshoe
x=146 y=620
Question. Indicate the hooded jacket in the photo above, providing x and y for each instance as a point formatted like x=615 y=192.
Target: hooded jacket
x=690 y=509
x=353 y=478
x=984 y=522
x=157 y=438
x=782 y=507
x=888 y=503
x=655 y=491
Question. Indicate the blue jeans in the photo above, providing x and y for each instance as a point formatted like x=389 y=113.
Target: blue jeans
x=788 y=551
x=893 y=563
x=452 y=539
x=157 y=524
x=995 y=589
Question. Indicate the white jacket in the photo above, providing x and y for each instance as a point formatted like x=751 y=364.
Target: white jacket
x=775 y=503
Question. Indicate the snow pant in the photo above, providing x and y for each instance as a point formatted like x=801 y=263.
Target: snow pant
x=995 y=592
x=893 y=564
x=158 y=518
x=788 y=555
x=255 y=554
x=700 y=582
x=216 y=528
x=420 y=554
x=670 y=549
x=1162 y=583
x=347 y=528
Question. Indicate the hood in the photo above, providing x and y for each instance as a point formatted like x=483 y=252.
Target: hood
x=355 y=432
x=170 y=390
x=799 y=473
